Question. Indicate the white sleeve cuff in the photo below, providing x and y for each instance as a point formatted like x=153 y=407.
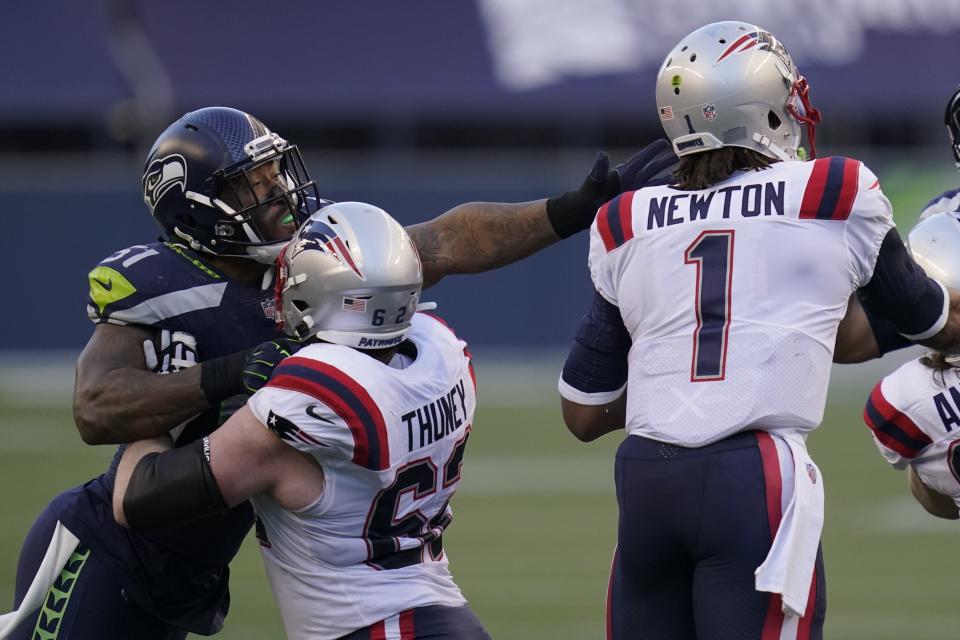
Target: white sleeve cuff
x=941 y=321
x=573 y=394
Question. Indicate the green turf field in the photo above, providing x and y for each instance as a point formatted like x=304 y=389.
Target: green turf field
x=535 y=518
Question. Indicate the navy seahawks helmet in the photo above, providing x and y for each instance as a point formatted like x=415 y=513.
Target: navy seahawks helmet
x=952 y=119
x=202 y=186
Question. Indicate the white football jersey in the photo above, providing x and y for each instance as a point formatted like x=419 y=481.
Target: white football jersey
x=732 y=295
x=391 y=444
x=946 y=202
x=914 y=415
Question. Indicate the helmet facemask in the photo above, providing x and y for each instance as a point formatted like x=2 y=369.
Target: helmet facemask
x=220 y=181
x=259 y=196
x=952 y=119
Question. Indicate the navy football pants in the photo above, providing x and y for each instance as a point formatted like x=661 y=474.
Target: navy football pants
x=425 y=623
x=85 y=602
x=695 y=523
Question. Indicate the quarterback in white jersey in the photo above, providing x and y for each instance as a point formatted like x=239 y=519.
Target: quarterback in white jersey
x=350 y=453
x=696 y=277
x=721 y=299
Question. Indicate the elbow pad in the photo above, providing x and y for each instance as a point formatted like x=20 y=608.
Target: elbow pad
x=173 y=487
x=597 y=362
x=901 y=293
x=887 y=337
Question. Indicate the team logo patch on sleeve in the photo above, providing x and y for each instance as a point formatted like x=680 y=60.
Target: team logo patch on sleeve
x=108 y=286
x=288 y=431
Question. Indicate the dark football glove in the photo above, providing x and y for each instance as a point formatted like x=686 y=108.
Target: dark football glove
x=574 y=210
x=263 y=359
x=170 y=351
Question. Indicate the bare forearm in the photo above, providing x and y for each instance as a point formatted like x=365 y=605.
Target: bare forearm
x=480 y=236
x=125 y=404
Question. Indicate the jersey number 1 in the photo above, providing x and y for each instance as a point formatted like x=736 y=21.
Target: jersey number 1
x=712 y=254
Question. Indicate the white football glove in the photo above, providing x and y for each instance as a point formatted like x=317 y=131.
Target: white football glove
x=170 y=351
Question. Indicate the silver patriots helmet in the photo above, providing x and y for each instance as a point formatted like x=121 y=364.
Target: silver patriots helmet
x=733 y=84
x=935 y=244
x=350 y=275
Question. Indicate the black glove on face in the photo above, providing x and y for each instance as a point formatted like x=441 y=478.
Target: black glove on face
x=574 y=210
x=263 y=359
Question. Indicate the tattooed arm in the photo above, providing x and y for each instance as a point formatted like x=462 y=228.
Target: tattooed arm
x=480 y=236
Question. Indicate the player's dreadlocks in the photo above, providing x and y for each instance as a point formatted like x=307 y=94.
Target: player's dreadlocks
x=701 y=170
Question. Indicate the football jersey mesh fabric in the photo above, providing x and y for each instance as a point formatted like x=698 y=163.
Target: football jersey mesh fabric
x=321 y=560
x=717 y=345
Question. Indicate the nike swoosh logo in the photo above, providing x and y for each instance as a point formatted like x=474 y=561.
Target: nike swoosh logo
x=106 y=285
x=312 y=412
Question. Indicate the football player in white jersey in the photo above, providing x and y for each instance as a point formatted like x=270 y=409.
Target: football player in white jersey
x=721 y=300
x=913 y=412
x=352 y=451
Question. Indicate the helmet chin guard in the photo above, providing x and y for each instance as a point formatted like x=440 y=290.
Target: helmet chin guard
x=205 y=183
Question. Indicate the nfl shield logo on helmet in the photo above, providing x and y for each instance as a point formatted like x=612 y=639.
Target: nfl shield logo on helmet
x=812 y=473
x=710 y=112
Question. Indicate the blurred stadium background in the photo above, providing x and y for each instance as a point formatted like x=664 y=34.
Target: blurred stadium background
x=418 y=107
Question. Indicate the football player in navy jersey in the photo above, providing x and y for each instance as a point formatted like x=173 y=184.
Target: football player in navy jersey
x=949 y=200
x=227 y=193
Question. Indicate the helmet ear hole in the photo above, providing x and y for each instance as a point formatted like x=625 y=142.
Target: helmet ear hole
x=773 y=120
x=301 y=305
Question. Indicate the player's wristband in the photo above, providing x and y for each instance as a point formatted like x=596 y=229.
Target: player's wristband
x=222 y=378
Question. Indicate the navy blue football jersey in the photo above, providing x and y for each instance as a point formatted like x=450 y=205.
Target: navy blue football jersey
x=180 y=573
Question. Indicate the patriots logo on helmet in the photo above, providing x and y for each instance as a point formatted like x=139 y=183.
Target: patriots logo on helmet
x=162 y=175
x=763 y=41
x=319 y=236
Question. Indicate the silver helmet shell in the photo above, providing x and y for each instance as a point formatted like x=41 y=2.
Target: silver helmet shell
x=733 y=84
x=350 y=275
x=935 y=244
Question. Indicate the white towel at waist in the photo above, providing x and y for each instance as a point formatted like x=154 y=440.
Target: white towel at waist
x=788 y=567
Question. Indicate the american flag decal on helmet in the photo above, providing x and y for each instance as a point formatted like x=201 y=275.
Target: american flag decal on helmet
x=355 y=304
x=321 y=237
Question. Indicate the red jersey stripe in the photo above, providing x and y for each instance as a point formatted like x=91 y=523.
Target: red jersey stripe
x=626 y=215
x=603 y=226
x=816 y=184
x=770 y=460
x=848 y=190
x=407 y=631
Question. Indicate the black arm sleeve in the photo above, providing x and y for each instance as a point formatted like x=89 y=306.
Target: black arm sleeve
x=172 y=487
x=597 y=361
x=901 y=293
x=887 y=337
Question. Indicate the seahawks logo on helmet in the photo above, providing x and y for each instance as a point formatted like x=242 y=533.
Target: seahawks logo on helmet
x=162 y=175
